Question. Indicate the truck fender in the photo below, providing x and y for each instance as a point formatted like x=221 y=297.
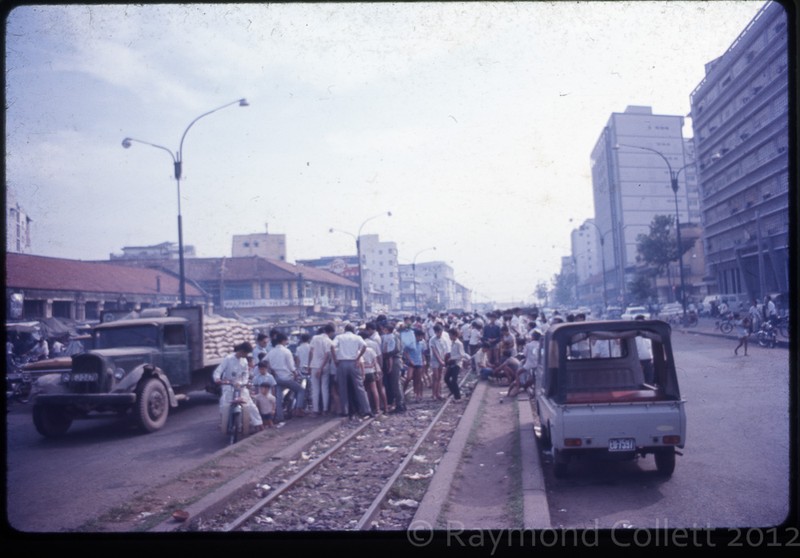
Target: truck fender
x=132 y=379
x=48 y=384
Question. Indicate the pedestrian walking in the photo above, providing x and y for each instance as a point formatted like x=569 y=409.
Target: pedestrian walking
x=743 y=333
x=455 y=360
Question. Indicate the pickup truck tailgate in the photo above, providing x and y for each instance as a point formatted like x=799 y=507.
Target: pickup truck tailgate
x=597 y=424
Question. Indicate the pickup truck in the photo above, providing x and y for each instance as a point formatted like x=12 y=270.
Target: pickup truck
x=595 y=402
x=143 y=366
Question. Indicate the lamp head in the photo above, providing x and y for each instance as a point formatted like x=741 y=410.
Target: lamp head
x=330 y=230
x=126 y=143
x=388 y=213
x=243 y=103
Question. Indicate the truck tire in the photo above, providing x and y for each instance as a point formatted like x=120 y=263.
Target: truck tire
x=665 y=461
x=50 y=422
x=152 y=405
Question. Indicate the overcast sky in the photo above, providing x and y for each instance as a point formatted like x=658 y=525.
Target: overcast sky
x=473 y=123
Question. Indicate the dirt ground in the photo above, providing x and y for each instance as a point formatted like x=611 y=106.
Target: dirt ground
x=486 y=493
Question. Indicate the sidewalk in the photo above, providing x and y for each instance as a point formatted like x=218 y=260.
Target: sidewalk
x=707 y=326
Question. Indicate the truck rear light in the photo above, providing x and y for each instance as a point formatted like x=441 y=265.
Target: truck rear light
x=671 y=440
x=572 y=442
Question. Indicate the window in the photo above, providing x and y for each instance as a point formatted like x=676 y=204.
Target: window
x=174 y=335
x=233 y=291
x=275 y=290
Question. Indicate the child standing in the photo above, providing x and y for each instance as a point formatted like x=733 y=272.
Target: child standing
x=743 y=331
x=265 y=402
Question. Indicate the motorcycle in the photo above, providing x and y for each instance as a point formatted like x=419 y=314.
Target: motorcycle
x=235 y=423
x=767 y=335
x=18 y=382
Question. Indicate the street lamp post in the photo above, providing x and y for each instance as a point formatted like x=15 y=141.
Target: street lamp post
x=414 y=271
x=177 y=160
x=357 y=237
x=602 y=260
x=673 y=176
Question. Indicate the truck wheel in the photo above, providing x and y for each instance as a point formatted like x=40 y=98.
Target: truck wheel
x=152 y=405
x=51 y=422
x=665 y=462
x=560 y=464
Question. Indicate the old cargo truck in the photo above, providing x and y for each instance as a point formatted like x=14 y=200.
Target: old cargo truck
x=140 y=366
x=609 y=389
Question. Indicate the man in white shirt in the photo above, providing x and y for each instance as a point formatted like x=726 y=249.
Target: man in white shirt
x=439 y=350
x=281 y=363
x=321 y=363
x=347 y=348
x=233 y=370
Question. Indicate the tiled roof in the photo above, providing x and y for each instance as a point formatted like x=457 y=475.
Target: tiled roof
x=24 y=271
x=246 y=269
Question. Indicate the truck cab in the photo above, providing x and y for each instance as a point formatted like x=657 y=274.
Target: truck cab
x=609 y=389
x=145 y=365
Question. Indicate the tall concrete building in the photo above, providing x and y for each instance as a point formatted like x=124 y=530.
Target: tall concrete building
x=587 y=256
x=263 y=245
x=740 y=116
x=18 y=226
x=380 y=267
x=632 y=163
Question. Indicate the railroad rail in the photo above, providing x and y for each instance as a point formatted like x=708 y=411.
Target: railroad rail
x=361 y=475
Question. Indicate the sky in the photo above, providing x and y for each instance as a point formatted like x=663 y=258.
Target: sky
x=472 y=123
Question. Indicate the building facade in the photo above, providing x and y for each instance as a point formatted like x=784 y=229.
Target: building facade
x=263 y=245
x=381 y=274
x=740 y=116
x=165 y=250
x=18 y=226
x=39 y=287
x=633 y=163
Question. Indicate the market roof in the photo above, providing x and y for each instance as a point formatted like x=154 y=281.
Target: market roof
x=25 y=271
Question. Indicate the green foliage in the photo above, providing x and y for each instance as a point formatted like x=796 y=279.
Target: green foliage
x=565 y=284
x=641 y=289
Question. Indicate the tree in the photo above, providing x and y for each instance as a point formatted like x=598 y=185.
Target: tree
x=564 y=284
x=641 y=288
x=541 y=291
x=659 y=248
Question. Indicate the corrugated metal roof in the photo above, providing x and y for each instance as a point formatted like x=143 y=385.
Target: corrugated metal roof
x=24 y=271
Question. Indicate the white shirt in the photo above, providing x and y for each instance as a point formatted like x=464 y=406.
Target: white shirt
x=457 y=352
x=231 y=369
x=302 y=352
x=370 y=360
x=321 y=347
x=348 y=346
x=439 y=349
x=281 y=362
x=644 y=348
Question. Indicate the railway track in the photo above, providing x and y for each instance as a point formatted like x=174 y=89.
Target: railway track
x=361 y=475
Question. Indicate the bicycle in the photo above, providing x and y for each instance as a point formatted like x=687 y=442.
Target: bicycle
x=689 y=320
x=725 y=325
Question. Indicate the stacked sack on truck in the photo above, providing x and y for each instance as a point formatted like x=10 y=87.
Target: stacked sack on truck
x=221 y=334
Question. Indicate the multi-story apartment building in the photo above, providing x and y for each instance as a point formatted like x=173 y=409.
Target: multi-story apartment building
x=164 y=251
x=740 y=116
x=380 y=268
x=633 y=164
x=587 y=262
x=263 y=245
x=18 y=227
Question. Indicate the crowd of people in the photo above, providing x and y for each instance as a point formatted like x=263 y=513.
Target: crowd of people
x=365 y=369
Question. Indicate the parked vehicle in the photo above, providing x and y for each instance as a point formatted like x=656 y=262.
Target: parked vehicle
x=725 y=323
x=632 y=311
x=613 y=313
x=601 y=406
x=767 y=335
x=143 y=365
x=235 y=422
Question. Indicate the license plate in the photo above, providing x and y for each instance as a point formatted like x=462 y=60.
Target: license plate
x=84 y=377
x=621 y=444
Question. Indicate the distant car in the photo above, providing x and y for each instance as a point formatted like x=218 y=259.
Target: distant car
x=632 y=311
x=613 y=313
x=670 y=309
